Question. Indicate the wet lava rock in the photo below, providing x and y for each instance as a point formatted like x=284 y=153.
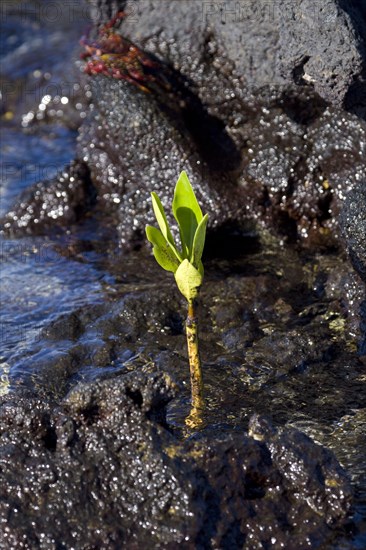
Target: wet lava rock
x=353 y=223
x=101 y=470
x=66 y=199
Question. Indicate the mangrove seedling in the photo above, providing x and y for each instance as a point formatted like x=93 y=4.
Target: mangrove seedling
x=185 y=262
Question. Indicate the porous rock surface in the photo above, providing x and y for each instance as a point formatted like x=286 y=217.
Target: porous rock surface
x=268 y=43
x=67 y=197
x=101 y=470
x=353 y=223
x=134 y=146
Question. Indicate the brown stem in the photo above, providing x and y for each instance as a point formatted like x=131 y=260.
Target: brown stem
x=194 y=358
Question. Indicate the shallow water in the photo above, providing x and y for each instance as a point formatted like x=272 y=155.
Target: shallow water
x=275 y=336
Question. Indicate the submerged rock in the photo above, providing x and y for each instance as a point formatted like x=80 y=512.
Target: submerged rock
x=100 y=469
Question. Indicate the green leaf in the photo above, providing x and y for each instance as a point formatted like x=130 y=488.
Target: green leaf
x=188 y=280
x=187 y=212
x=163 y=223
x=161 y=218
x=162 y=251
x=199 y=241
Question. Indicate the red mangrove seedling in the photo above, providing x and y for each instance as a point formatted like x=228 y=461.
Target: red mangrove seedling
x=185 y=262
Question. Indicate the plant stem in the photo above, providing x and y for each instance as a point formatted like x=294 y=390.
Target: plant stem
x=194 y=358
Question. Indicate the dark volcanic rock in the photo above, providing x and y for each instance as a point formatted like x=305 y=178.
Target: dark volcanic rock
x=353 y=223
x=267 y=43
x=56 y=203
x=298 y=177
x=292 y=174
x=100 y=470
x=134 y=145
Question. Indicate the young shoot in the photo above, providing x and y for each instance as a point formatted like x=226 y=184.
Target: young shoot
x=185 y=262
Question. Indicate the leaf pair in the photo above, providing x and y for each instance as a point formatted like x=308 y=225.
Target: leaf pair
x=185 y=263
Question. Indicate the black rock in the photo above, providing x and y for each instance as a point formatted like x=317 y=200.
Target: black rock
x=101 y=470
x=353 y=223
x=133 y=145
x=60 y=202
x=292 y=42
